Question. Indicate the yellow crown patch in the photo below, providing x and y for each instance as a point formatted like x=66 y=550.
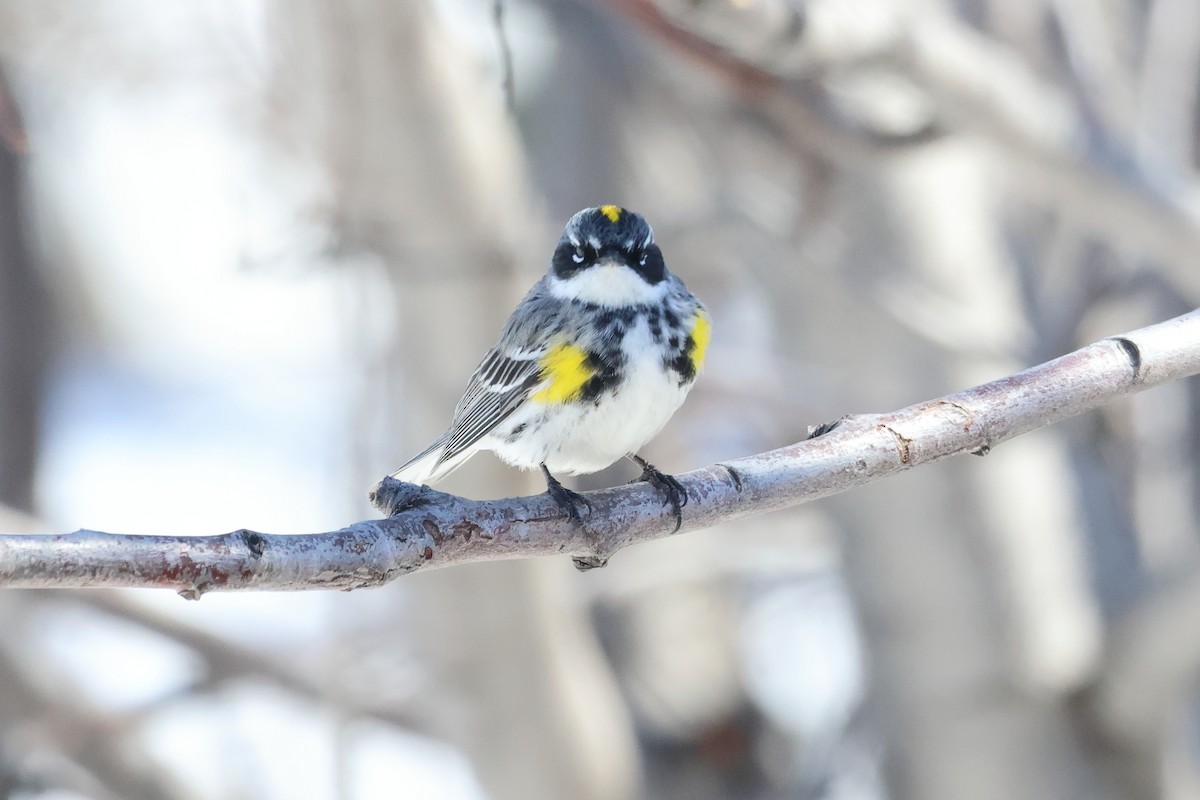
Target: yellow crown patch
x=612 y=212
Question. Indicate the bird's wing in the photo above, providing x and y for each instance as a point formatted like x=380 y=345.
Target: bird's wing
x=499 y=386
x=509 y=374
x=501 y=383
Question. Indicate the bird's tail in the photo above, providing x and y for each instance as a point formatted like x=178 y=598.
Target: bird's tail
x=430 y=465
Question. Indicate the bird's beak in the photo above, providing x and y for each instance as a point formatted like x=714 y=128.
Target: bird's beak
x=612 y=261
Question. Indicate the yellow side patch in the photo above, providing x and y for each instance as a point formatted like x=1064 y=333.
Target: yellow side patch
x=612 y=212
x=565 y=372
x=701 y=332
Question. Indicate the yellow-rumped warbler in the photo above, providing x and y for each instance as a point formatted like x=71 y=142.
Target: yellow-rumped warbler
x=590 y=366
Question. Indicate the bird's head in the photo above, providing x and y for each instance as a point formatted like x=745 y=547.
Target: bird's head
x=607 y=256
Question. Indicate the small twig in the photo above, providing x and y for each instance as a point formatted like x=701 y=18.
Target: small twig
x=12 y=131
x=441 y=530
x=227 y=661
x=508 y=82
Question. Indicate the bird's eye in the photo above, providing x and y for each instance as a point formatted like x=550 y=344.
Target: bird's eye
x=578 y=257
x=643 y=259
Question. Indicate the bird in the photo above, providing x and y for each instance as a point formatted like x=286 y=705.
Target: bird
x=590 y=366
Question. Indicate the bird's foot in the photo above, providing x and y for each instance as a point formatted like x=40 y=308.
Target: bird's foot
x=671 y=488
x=570 y=502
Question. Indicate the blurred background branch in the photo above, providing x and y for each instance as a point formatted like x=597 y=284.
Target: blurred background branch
x=25 y=324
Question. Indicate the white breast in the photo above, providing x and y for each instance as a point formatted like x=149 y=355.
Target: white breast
x=583 y=438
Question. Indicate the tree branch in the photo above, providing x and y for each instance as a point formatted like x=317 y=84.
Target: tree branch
x=441 y=529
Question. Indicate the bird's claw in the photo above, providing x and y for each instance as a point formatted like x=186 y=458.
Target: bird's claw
x=570 y=502
x=671 y=488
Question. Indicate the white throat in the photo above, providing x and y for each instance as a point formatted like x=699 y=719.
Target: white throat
x=608 y=284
